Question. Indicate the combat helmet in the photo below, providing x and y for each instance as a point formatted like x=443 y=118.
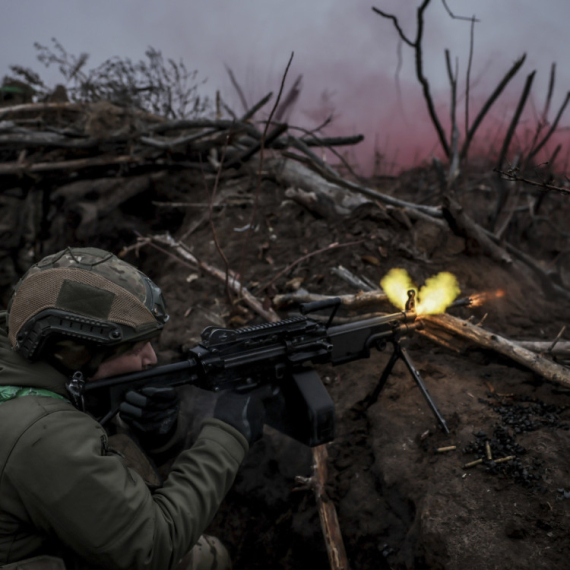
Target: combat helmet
x=87 y=297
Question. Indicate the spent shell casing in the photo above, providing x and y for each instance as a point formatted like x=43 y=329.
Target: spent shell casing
x=503 y=459
x=444 y=449
x=472 y=463
x=488 y=450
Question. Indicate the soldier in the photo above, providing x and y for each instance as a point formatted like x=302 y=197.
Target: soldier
x=71 y=494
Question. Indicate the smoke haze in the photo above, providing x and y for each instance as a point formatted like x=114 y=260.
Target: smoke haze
x=347 y=55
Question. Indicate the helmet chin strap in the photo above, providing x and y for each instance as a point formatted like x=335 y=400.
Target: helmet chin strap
x=75 y=386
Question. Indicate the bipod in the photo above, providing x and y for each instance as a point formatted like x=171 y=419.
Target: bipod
x=401 y=353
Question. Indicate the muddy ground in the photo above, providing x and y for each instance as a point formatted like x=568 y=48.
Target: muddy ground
x=401 y=504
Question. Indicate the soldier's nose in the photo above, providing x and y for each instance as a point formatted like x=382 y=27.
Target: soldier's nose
x=148 y=356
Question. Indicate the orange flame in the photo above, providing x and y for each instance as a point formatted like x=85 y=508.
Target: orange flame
x=479 y=298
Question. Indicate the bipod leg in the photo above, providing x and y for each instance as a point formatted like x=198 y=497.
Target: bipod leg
x=402 y=353
x=373 y=396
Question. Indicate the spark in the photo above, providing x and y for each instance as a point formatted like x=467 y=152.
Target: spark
x=479 y=298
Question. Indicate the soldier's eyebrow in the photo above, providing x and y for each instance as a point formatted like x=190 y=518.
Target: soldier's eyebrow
x=137 y=349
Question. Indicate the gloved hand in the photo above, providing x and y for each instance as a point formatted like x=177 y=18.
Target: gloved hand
x=246 y=413
x=151 y=410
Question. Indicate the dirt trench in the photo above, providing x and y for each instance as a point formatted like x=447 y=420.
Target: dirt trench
x=401 y=504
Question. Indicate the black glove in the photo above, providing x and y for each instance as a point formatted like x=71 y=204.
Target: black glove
x=245 y=413
x=151 y=410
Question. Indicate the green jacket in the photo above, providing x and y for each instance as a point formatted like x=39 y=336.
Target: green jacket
x=59 y=483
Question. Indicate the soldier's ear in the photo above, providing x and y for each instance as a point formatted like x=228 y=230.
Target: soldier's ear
x=71 y=354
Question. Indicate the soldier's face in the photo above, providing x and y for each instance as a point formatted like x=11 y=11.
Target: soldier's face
x=141 y=356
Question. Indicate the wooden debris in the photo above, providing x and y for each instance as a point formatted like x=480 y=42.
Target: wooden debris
x=20 y=168
x=41 y=107
x=357 y=282
x=555 y=341
x=331 y=196
x=444 y=339
x=560 y=349
x=248 y=298
x=539 y=364
x=292 y=172
x=104 y=135
x=462 y=224
x=327 y=512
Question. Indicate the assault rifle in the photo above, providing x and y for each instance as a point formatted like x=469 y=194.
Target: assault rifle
x=276 y=360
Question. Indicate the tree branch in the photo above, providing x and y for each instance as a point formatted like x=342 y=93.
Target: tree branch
x=510 y=175
x=472 y=19
x=488 y=104
x=552 y=128
x=516 y=117
x=417 y=45
x=396 y=25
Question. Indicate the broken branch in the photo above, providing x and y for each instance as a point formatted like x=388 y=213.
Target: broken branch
x=417 y=45
x=305 y=257
x=552 y=128
x=516 y=117
x=235 y=285
x=542 y=366
x=327 y=512
x=488 y=104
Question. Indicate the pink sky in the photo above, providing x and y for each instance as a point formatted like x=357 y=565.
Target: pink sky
x=340 y=47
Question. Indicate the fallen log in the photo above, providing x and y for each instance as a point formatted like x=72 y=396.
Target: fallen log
x=78 y=164
x=543 y=366
x=561 y=350
x=447 y=336
x=318 y=204
x=15 y=109
x=45 y=139
x=333 y=141
x=461 y=223
x=292 y=172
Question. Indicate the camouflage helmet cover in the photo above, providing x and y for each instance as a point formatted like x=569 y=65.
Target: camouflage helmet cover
x=84 y=294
